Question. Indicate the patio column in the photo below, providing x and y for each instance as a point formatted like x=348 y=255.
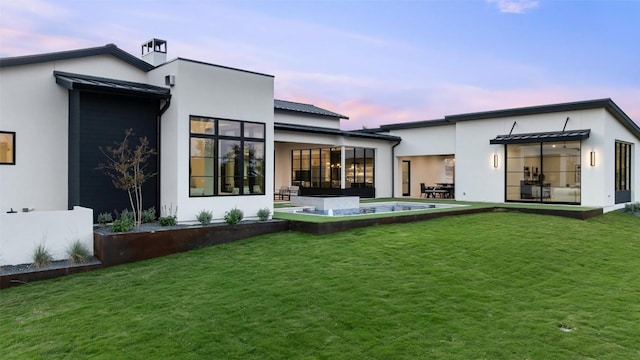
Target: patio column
x=343 y=170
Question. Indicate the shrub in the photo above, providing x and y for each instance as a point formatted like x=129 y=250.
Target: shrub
x=204 y=217
x=632 y=208
x=233 y=216
x=149 y=215
x=77 y=253
x=104 y=218
x=41 y=256
x=167 y=220
x=263 y=214
x=126 y=214
x=123 y=224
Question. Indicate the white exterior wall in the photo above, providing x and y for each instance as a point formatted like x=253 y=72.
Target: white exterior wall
x=477 y=179
x=287 y=141
x=419 y=145
x=432 y=140
x=306 y=120
x=37 y=109
x=615 y=131
x=56 y=230
x=212 y=91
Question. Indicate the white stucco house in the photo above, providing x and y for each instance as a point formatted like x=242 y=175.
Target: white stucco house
x=223 y=141
x=580 y=153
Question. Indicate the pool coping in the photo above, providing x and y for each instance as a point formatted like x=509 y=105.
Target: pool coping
x=321 y=228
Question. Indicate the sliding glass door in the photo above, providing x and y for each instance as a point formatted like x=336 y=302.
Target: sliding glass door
x=543 y=172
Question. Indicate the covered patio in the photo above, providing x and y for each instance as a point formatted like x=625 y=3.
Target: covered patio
x=429 y=176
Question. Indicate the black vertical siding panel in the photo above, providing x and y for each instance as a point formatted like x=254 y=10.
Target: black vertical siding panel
x=104 y=119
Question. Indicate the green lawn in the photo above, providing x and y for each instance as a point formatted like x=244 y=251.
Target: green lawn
x=486 y=286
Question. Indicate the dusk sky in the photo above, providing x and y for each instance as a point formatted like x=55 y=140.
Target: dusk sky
x=376 y=61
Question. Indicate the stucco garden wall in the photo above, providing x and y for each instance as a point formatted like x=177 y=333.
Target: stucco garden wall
x=21 y=232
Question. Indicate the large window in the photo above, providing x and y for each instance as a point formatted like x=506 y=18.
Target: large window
x=7 y=148
x=226 y=157
x=322 y=167
x=544 y=172
x=359 y=167
x=623 y=172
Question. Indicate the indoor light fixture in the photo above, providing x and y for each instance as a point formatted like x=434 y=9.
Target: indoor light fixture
x=593 y=158
x=495 y=160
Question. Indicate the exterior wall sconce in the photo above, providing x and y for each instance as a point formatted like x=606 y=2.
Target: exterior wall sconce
x=170 y=80
x=495 y=160
x=592 y=158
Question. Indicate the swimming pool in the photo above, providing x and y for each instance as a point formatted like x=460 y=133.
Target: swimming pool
x=368 y=208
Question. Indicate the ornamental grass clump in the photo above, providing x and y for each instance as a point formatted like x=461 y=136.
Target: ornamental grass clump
x=41 y=256
x=204 y=217
x=233 y=216
x=77 y=253
x=168 y=216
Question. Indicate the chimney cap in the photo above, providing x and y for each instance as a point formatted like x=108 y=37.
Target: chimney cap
x=154 y=45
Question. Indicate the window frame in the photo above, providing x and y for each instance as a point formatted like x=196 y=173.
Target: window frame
x=12 y=161
x=623 y=165
x=218 y=139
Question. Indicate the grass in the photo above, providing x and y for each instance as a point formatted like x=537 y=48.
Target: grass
x=41 y=256
x=485 y=286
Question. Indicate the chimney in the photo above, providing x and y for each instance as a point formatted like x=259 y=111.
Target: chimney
x=154 y=52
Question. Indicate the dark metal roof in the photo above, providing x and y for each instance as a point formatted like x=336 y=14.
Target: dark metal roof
x=606 y=104
x=305 y=108
x=329 y=131
x=92 y=83
x=416 y=124
x=109 y=49
x=569 y=135
x=531 y=110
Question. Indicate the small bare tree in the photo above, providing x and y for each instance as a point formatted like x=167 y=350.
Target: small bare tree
x=127 y=169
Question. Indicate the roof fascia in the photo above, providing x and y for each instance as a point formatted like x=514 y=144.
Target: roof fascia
x=61 y=79
x=310 y=114
x=329 y=131
x=109 y=49
x=415 y=124
x=531 y=110
x=626 y=121
x=215 y=65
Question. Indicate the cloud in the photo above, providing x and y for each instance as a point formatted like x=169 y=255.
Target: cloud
x=515 y=6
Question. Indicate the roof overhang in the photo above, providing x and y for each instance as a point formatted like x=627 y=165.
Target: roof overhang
x=295 y=107
x=329 y=131
x=91 y=83
x=550 y=136
x=109 y=49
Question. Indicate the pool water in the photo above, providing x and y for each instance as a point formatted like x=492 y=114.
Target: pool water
x=373 y=208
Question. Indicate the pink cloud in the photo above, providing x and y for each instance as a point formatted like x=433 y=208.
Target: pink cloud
x=450 y=99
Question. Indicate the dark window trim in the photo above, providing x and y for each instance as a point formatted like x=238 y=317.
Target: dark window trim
x=623 y=171
x=13 y=147
x=542 y=171
x=217 y=137
x=367 y=153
